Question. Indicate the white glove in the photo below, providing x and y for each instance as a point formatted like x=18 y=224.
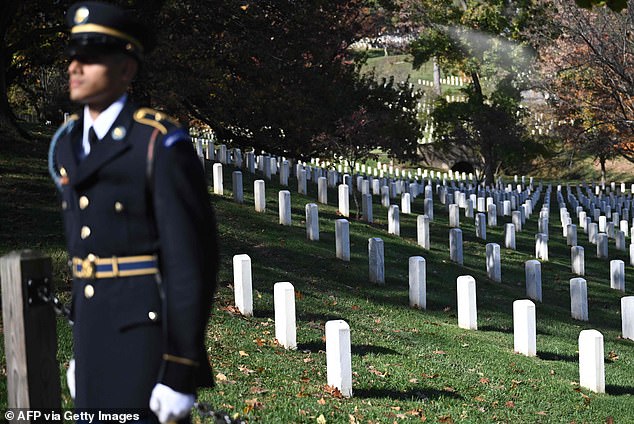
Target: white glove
x=70 y=377
x=169 y=405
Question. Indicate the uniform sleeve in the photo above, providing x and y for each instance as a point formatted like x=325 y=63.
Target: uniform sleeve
x=188 y=259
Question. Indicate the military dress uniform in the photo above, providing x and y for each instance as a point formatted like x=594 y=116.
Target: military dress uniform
x=142 y=237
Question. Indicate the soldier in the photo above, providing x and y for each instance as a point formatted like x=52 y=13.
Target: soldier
x=139 y=227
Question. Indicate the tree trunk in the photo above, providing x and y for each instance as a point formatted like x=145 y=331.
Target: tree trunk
x=602 y=161
x=437 y=87
x=487 y=145
x=8 y=123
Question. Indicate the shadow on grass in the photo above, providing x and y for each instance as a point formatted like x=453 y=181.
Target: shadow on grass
x=360 y=350
x=619 y=390
x=496 y=329
x=550 y=356
x=414 y=394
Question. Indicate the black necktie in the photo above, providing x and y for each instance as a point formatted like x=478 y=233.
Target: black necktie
x=92 y=137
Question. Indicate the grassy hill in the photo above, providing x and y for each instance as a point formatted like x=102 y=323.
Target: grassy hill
x=409 y=365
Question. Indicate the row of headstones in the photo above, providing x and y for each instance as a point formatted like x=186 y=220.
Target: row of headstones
x=269 y=165
x=338 y=347
x=599 y=232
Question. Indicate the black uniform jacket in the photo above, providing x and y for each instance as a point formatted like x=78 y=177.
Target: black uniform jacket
x=132 y=332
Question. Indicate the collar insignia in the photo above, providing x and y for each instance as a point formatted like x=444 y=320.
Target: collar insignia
x=118 y=133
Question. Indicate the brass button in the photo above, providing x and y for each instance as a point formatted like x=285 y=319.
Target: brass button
x=63 y=172
x=64 y=205
x=118 y=206
x=152 y=315
x=85 y=232
x=83 y=202
x=89 y=291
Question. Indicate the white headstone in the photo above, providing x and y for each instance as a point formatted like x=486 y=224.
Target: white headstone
x=494 y=271
x=455 y=245
x=238 y=190
x=339 y=356
x=342 y=238
x=571 y=236
x=301 y=182
x=579 y=299
x=285 y=171
x=577 y=260
x=492 y=215
x=344 y=200
x=322 y=190
x=481 y=226
x=454 y=215
x=533 y=270
x=376 y=259
x=591 y=361
x=366 y=207
x=393 y=220
x=617 y=274
x=312 y=222
x=422 y=231
x=242 y=284
x=217 y=174
x=627 y=317
x=524 y=327
x=509 y=236
x=417 y=282
x=284 y=304
x=428 y=208
x=602 y=246
x=406 y=203
x=541 y=246
x=467 y=305
x=260 y=195
x=284 y=198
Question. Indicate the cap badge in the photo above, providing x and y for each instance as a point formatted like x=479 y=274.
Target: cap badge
x=118 y=133
x=81 y=15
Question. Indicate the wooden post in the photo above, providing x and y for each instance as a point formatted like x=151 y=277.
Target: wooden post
x=30 y=337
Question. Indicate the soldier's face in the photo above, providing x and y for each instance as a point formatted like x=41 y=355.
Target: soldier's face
x=99 y=80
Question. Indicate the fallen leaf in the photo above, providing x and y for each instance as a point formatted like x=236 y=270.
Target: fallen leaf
x=445 y=419
x=321 y=401
x=376 y=372
x=449 y=389
x=243 y=353
x=321 y=419
x=612 y=356
x=484 y=380
x=479 y=398
x=307 y=360
x=333 y=391
x=355 y=307
x=221 y=377
x=257 y=390
x=298 y=295
x=542 y=413
x=510 y=404
x=429 y=375
x=439 y=352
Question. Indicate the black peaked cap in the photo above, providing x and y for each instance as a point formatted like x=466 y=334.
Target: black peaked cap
x=103 y=27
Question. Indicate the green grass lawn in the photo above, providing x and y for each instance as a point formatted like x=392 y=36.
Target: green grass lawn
x=408 y=364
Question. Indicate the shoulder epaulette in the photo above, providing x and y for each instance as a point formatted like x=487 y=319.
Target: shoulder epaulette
x=156 y=119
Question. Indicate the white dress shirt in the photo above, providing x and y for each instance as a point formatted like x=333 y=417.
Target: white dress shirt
x=103 y=122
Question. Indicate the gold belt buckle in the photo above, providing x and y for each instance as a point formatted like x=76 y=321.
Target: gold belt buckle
x=88 y=268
